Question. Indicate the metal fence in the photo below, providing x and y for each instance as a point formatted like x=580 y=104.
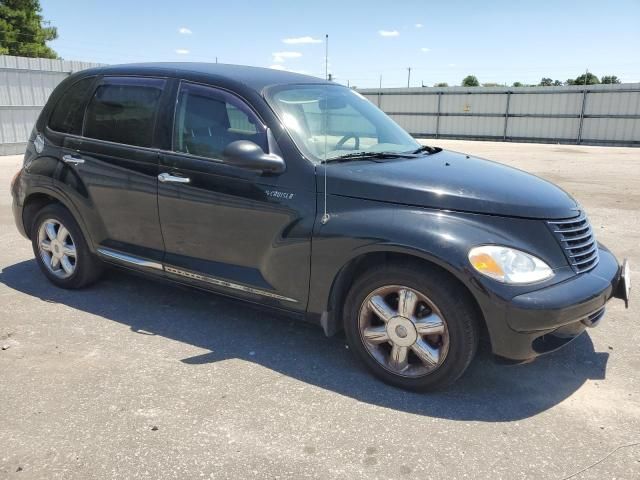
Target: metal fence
x=591 y=114
x=595 y=114
x=25 y=85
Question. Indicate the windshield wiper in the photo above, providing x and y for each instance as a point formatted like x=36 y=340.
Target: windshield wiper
x=364 y=155
x=427 y=149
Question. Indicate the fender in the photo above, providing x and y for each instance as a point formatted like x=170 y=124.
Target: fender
x=357 y=228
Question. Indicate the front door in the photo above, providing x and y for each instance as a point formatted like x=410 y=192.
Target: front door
x=236 y=231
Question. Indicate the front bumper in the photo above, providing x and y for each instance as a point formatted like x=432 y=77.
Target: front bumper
x=544 y=320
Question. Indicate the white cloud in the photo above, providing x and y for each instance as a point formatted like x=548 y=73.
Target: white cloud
x=278 y=67
x=182 y=51
x=184 y=31
x=300 y=40
x=451 y=65
x=425 y=49
x=388 y=33
x=280 y=57
x=419 y=25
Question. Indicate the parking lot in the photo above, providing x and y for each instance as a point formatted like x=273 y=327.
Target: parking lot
x=137 y=379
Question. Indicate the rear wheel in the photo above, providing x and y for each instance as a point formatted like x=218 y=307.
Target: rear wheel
x=61 y=250
x=413 y=328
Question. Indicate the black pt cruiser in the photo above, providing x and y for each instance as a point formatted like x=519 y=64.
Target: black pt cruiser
x=299 y=194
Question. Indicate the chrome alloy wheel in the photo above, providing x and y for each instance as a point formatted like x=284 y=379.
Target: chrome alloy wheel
x=403 y=331
x=57 y=249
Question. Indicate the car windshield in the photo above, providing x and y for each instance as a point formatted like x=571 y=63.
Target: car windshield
x=331 y=121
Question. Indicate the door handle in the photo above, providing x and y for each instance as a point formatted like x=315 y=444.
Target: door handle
x=168 y=178
x=72 y=160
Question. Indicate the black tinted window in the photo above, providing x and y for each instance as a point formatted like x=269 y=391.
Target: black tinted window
x=207 y=120
x=68 y=112
x=123 y=110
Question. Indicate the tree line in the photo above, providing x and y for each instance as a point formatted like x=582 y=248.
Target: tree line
x=587 y=78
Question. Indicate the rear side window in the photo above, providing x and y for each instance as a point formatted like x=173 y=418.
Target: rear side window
x=208 y=119
x=68 y=112
x=123 y=110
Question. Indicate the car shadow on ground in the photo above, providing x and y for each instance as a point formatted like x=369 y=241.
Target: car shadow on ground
x=488 y=391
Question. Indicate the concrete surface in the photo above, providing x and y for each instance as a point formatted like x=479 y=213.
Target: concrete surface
x=135 y=379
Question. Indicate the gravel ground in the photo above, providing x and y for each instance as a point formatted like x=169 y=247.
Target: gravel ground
x=136 y=379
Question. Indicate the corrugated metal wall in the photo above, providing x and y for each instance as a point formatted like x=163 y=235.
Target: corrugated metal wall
x=595 y=114
x=592 y=114
x=25 y=85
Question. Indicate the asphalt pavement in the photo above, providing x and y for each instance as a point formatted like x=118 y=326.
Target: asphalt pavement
x=137 y=379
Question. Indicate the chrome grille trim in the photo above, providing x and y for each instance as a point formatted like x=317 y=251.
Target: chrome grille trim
x=575 y=235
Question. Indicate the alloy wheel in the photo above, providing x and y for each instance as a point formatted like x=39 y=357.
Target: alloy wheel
x=403 y=330
x=57 y=248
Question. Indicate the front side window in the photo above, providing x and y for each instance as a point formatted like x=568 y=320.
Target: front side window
x=123 y=110
x=327 y=121
x=67 y=114
x=207 y=120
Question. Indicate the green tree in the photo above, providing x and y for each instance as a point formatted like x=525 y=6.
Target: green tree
x=610 y=79
x=557 y=83
x=517 y=84
x=491 y=84
x=470 y=81
x=441 y=84
x=22 y=30
x=586 y=79
x=546 y=82
x=570 y=81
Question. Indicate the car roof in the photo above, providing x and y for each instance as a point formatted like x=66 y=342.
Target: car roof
x=255 y=78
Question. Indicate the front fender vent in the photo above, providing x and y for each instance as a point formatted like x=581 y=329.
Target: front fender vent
x=577 y=241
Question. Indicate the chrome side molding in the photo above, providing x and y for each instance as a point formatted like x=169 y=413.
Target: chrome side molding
x=144 y=263
x=224 y=283
x=126 y=258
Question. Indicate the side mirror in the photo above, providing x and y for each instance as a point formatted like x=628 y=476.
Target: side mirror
x=246 y=154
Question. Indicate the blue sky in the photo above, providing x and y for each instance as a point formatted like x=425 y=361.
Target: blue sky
x=498 y=41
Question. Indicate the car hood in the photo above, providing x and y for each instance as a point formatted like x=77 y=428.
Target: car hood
x=451 y=181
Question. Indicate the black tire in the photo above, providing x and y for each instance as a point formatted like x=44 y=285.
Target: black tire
x=87 y=267
x=454 y=303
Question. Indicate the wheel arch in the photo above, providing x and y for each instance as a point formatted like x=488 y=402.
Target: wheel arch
x=32 y=205
x=39 y=198
x=360 y=263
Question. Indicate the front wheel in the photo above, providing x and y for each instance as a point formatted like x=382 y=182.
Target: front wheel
x=412 y=327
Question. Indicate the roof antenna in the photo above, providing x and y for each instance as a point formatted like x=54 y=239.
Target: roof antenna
x=325 y=216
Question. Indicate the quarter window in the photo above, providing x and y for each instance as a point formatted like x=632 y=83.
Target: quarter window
x=207 y=120
x=123 y=110
x=68 y=112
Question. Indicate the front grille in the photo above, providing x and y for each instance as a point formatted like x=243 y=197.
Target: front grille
x=577 y=240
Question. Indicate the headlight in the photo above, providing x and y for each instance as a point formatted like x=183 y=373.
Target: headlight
x=508 y=265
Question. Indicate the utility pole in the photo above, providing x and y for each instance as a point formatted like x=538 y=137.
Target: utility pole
x=408 y=76
x=326 y=56
x=586 y=74
x=380 y=81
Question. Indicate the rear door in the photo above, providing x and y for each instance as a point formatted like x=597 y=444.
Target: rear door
x=113 y=167
x=233 y=230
